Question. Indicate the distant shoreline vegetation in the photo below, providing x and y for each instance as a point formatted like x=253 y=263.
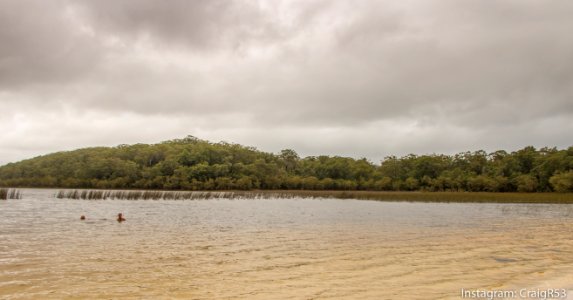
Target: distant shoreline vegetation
x=197 y=165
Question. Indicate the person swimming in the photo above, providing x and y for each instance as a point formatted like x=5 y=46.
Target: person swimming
x=120 y=217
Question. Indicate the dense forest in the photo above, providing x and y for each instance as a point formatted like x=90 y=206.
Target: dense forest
x=194 y=164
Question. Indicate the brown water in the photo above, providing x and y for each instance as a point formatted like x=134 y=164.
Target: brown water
x=278 y=249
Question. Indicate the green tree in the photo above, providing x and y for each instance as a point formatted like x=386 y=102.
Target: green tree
x=289 y=159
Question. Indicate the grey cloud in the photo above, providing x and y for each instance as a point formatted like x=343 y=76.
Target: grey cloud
x=200 y=24
x=389 y=76
x=39 y=43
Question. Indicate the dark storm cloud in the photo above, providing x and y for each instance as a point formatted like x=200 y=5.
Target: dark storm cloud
x=360 y=78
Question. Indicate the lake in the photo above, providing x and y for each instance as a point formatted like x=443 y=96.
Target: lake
x=279 y=248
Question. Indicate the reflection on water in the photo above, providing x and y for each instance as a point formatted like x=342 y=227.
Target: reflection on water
x=279 y=248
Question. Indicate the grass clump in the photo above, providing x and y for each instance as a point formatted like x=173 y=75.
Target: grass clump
x=169 y=195
x=6 y=194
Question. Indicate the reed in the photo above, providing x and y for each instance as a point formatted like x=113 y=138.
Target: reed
x=284 y=194
x=6 y=194
x=167 y=195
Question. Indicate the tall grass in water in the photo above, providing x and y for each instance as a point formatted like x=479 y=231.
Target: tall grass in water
x=9 y=194
x=168 y=195
x=362 y=195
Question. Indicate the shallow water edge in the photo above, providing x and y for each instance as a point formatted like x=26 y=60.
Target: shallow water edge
x=291 y=248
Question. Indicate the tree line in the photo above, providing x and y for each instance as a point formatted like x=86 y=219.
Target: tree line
x=194 y=164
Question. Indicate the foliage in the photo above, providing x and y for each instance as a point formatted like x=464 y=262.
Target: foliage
x=562 y=182
x=194 y=164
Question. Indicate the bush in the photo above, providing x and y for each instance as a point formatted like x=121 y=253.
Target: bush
x=526 y=183
x=562 y=182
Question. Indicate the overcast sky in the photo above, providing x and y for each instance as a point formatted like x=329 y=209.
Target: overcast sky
x=352 y=78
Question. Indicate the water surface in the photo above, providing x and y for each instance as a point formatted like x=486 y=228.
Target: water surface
x=278 y=248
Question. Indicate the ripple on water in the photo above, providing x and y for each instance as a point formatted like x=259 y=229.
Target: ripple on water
x=281 y=248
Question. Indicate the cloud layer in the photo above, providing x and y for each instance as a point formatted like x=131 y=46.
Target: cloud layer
x=366 y=78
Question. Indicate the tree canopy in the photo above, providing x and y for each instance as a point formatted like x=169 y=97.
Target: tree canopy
x=194 y=164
